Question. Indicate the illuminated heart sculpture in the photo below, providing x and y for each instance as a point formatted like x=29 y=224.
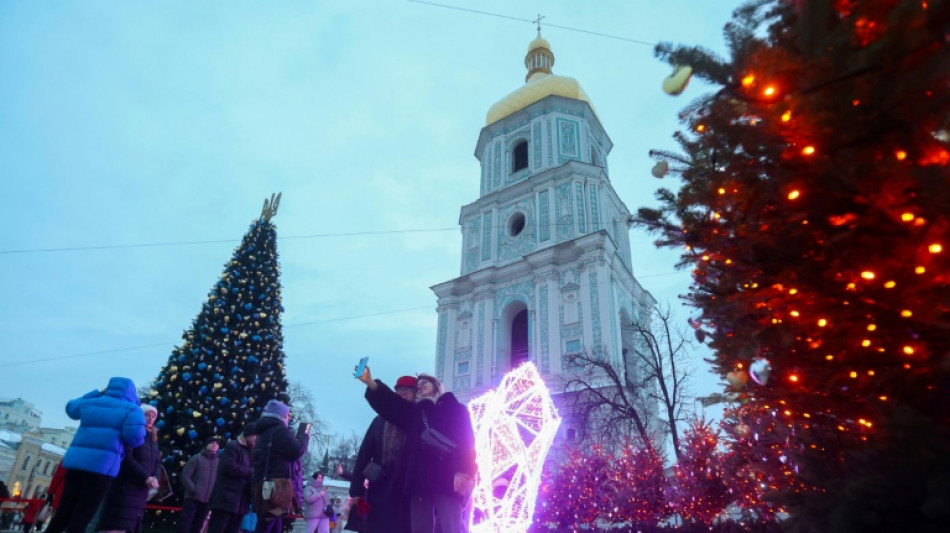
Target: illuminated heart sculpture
x=514 y=427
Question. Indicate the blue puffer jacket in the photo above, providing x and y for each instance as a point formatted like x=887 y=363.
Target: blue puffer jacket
x=108 y=422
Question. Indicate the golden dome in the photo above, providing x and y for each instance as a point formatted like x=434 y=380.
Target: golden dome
x=540 y=83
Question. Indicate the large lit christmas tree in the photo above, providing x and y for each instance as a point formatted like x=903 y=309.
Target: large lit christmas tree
x=814 y=210
x=231 y=360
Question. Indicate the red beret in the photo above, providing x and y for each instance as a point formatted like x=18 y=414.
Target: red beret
x=406 y=381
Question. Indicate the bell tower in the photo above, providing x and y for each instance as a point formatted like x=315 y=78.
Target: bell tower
x=546 y=266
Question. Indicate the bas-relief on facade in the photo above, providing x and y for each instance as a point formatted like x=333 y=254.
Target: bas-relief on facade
x=546 y=239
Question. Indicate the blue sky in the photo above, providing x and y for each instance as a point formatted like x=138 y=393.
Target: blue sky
x=158 y=122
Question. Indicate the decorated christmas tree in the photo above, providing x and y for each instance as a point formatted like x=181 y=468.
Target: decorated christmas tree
x=231 y=359
x=701 y=494
x=814 y=209
x=639 y=486
x=571 y=492
x=758 y=472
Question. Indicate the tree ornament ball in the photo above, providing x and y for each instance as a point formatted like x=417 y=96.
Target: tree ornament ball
x=660 y=169
x=676 y=83
x=196 y=414
x=737 y=379
x=180 y=431
x=743 y=430
x=759 y=370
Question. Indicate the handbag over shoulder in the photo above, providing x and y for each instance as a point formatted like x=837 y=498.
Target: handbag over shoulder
x=435 y=441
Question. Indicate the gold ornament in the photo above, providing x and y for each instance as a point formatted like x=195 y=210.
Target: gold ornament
x=153 y=393
x=180 y=431
x=676 y=83
x=743 y=430
x=737 y=379
x=196 y=414
x=660 y=169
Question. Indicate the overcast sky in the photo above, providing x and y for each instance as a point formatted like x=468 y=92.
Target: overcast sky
x=143 y=123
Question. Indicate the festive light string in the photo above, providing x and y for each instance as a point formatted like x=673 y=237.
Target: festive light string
x=508 y=458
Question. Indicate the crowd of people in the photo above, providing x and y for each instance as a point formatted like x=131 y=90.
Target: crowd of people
x=414 y=471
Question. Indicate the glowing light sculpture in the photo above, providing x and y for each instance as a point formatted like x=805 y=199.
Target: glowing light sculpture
x=514 y=427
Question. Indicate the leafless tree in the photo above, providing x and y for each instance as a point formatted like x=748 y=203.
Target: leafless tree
x=303 y=409
x=663 y=351
x=601 y=399
x=344 y=450
x=613 y=397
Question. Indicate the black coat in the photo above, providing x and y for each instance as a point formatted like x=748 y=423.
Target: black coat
x=124 y=504
x=425 y=473
x=276 y=450
x=389 y=504
x=232 y=486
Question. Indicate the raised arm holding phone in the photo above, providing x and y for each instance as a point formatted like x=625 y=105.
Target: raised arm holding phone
x=438 y=475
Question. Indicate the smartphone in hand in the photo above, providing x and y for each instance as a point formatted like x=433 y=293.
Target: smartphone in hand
x=360 y=367
x=304 y=428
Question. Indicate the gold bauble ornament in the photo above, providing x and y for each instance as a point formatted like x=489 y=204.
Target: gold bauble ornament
x=196 y=414
x=737 y=379
x=743 y=430
x=676 y=82
x=660 y=169
x=217 y=385
x=153 y=393
x=180 y=431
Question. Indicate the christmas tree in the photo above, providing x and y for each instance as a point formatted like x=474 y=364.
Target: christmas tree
x=231 y=360
x=701 y=493
x=814 y=211
x=640 y=487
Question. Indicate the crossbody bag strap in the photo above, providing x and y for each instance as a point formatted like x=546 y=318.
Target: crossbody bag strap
x=425 y=419
x=267 y=458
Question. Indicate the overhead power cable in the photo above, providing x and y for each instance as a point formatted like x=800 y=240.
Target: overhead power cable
x=166 y=344
x=519 y=19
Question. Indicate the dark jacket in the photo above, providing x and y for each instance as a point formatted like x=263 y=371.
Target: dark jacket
x=232 y=488
x=198 y=476
x=276 y=449
x=124 y=504
x=109 y=422
x=384 y=445
x=425 y=473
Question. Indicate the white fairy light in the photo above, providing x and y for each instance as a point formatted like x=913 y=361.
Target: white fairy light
x=514 y=427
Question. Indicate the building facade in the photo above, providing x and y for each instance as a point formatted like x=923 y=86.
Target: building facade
x=17 y=414
x=29 y=453
x=546 y=266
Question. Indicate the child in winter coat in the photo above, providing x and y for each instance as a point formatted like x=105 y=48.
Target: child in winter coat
x=315 y=501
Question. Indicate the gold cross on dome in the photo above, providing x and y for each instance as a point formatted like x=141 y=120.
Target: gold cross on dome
x=538 y=22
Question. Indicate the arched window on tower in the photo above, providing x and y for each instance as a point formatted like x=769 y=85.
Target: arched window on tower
x=519 y=156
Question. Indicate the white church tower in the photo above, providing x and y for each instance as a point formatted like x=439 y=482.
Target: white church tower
x=545 y=263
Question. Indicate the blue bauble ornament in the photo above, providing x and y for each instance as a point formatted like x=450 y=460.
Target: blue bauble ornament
x=186 y=376
x=224 y=330
x=243 y=400
x=202 y=366
x=223 y=401
x=192 y=434
x=169 y=410
x=182 y=358
x=203 y=389
x=248 y=307
x=219 y=422
x=160 y=424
